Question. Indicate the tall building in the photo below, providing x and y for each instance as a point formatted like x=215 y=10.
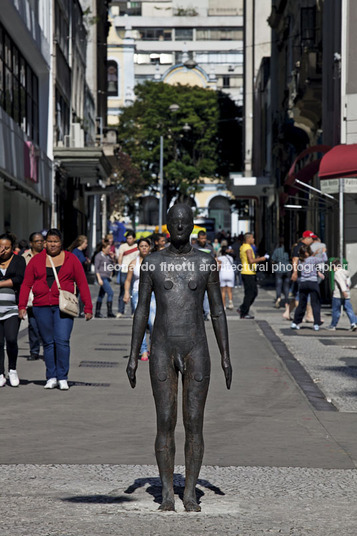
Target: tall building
x=174 y=42
x=25 y=117
x=177 y=42
x=81 y=168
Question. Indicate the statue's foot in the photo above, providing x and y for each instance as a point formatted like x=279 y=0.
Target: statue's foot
x=167 y=505
x=192 y=506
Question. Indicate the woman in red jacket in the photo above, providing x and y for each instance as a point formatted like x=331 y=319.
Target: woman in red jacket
x=55 y=327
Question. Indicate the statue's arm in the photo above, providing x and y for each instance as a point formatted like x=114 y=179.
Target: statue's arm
x=219 y=322
x=141 y=317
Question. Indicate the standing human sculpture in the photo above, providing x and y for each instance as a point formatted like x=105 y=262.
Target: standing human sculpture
x=179 y=276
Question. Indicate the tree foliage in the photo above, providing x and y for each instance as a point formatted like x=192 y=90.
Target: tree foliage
x=129 y=183
x=189 y=154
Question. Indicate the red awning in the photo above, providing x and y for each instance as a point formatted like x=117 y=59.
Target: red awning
x=341 y=161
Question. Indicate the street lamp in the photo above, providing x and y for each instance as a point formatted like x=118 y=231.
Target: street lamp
x=173 y=108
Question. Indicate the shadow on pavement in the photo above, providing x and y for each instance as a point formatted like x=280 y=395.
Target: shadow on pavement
x=155 y=487
x=98 y=499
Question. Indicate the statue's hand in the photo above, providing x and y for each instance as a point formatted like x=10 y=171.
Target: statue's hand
x=131 y=370
x=227 y=369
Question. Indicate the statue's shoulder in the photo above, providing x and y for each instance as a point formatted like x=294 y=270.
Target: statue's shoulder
x=205 y=258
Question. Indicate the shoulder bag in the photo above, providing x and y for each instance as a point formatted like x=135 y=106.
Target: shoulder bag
x=68 y=302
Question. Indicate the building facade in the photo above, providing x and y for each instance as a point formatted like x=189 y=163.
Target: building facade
x=25 y=110
x=172 y=41
x=81 y=167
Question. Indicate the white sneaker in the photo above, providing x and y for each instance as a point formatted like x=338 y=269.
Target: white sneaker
x=14 y=379
x=2 y=380
x=353 y=327
x=294 y=326
x=63 y=385
x=119 y=315
x=51 y=383
x=316 y=327
x=230 y=306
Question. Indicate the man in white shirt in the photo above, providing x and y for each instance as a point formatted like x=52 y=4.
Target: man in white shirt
x=127 y=253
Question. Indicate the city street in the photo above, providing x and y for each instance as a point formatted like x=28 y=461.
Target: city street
x=280 y=446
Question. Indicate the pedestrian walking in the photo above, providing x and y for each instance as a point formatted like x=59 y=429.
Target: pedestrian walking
x=308 y=266
x=341 y=296
x=204 y=246
x=37 y=243
x=78 y=248
x=127 y=253
x=281 y=268
x=249 y=275
x=132 y=281
x=103 y=271
x=306 y=240
x=12 y=269
x=54 y=325
x=159 y=242
x=226 y=275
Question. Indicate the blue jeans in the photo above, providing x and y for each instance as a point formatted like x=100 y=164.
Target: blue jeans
x=151 y=320
x=282 y=284
x=206 y=305
x=121 y=305
x=55 y=330
x=336 y=311
x=105 y=289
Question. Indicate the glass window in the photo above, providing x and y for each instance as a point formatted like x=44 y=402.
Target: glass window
x=8 y=91
x=18 y=88
x=155 y=34
x=15 y=61
x=8 y=51
x=183 y=34
x=22 y=72
x=1 y=43
x=308 y=26
x=112 y=78
x=226 y=81
x=2 y=84
x=219 y=34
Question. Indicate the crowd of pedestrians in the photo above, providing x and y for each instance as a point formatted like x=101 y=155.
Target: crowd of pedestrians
x=35 y=275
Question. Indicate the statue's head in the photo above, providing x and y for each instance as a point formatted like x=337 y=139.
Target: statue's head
x=180 y=224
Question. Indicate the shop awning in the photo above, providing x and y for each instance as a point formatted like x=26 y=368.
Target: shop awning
x=341 y=161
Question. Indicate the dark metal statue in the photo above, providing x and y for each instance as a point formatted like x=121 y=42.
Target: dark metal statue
x=179 y=276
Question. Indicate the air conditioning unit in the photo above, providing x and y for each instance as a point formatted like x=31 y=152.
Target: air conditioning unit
x=77 y=135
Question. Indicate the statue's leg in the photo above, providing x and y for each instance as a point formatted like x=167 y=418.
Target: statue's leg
x=195 y=387
x=164 y=385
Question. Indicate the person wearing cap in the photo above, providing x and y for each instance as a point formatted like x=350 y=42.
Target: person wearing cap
x=307 y=238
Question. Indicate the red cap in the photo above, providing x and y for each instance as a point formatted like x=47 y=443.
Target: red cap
x=314 y=237
x=308 y=234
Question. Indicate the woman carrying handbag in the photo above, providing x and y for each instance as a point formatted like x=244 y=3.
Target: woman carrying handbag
x=54 y=304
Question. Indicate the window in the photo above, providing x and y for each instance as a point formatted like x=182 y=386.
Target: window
x=226 y=81
x=155 y=34
x=133 y=9
x=179 y=56
x=112 y=78
x=232 y=58
x=219 y=34
x=183 y=34
x=61 y=30
x=18 y=87
x=308 y=26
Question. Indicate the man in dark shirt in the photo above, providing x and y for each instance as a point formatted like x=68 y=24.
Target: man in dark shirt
x=202 y=245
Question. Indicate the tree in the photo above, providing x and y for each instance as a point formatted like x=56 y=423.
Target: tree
x=129 y=184
x=190 y=135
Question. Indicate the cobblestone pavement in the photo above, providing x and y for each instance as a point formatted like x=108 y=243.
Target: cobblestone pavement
x=103 y=500
x=290 y=468
x=330 y=357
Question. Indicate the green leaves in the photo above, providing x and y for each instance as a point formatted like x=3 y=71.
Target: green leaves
x=190 y=135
